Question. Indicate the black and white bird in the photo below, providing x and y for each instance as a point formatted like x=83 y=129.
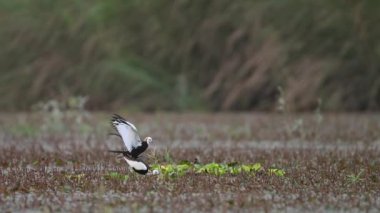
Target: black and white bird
x=128 y=133
x=133 y=144
x=137 y=165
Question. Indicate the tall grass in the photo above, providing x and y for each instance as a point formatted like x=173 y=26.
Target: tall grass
x=221 y=55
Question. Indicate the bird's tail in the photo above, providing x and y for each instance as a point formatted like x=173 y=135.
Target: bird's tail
x=124 y=152
x=119 y=151
x=114 y=134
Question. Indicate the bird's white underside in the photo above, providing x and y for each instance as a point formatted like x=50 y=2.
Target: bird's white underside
x=136 y=164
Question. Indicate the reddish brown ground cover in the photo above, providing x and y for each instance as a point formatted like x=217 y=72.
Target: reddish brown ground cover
x=332 y=162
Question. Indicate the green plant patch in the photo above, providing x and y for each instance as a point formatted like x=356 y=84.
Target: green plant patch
x=353 y=178
x=218 y=169
x=276 y=172
x=25 y=129
x=116 y=176
x=76 y=177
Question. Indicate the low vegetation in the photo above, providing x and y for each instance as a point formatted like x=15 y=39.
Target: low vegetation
x=177 y=170
x=321 y=164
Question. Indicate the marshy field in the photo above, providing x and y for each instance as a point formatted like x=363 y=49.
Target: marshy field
x=58 y=161
x=222 y=87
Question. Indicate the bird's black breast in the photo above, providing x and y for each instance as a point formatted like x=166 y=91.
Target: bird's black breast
x=140 y=149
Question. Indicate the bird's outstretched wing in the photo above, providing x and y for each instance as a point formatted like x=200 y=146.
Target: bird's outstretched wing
x=127 y=131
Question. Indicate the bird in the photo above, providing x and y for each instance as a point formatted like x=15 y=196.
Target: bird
x=128 y=133
x=136 y=164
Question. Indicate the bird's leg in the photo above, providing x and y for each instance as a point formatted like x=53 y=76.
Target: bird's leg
x=196 y=161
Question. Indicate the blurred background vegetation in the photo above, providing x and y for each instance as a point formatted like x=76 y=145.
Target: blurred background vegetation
x=191 y=54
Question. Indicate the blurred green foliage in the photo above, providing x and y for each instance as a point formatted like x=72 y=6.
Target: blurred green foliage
x=181 y=55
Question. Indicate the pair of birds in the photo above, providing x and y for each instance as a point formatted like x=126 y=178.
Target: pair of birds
x=133 y=144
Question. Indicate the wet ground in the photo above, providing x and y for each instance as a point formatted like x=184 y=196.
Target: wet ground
x=58 y=161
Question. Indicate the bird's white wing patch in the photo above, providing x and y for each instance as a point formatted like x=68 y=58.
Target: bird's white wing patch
x=138 y=165
x=128 y=133
x=133 y=126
